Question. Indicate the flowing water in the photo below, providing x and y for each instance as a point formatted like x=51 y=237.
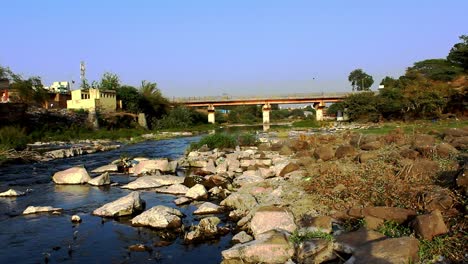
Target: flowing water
x=51 y=238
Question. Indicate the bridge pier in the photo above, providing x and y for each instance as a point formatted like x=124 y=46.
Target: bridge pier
x=319 y=110
x=266 y=113
x=211 y=114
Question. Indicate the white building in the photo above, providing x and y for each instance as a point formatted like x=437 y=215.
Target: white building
x=59 y=87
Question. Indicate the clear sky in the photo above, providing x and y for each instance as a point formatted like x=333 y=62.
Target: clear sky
x=237 y=47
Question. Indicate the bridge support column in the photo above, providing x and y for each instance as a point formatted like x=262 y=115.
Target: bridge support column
x=266 y=113
x=319 y=110
x=211 y=114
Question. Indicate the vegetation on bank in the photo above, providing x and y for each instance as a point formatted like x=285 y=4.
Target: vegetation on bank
x=224 y=140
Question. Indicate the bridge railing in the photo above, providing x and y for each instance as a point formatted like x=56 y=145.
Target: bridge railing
x=259 y=97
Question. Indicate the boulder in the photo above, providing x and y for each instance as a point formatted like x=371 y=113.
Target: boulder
x=192 y=180
x=373 y=223
x=374 y=145
x=103 y=179
x=74 y=175
x=208 y=208
x=241 y=237
x=216 y=180
x=284 y=168
x=197 y=192
x=437 y=198
x=41 y=209
x=266 y=173
x=127 y=205
x=151 y=166
x=315 y=251
x=206 y=229
x=430 y=225
x=175 y=189
x=422 y=141
x=106 y=168
x=367 y=156
x=455 y=132
x=210 y=167
x=390 y=250
x=159 y=216
x=240 y=201
x=358 y=140
x=272 y=247
x=409 y=153
x=76 y=219
x=11 y=193
x=270 y=217
x=146 y=182
x=298 y=145
x=460 y=143
x=398 y=215
x=324 y=153
x=345 y=151
x=182 y=200
x=245 y=179
x=445 y=150
x=349 y=242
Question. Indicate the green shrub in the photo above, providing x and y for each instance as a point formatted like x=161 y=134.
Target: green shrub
x=247 y=139
x=12 y=137
x=221 y=140
x=306 y=123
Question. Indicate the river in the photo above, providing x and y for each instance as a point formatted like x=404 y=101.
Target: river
x=53 y=238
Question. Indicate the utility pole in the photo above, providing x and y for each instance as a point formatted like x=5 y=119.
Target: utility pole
x=82 y=74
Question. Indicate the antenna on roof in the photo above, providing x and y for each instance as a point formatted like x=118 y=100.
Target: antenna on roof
x=82 y=74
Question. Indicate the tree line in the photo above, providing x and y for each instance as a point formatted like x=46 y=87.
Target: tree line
x=429 y=89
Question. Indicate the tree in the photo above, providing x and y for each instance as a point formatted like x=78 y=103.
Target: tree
x=437 y=69
x=459 y=53
x=360 y=80
x=130 y=98
x=390 y=82
x=109 y=81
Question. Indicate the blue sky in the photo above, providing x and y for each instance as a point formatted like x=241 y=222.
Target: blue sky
x=194 y=48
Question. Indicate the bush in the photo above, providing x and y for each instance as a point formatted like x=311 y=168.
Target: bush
x=224 y=140
x=12 y=137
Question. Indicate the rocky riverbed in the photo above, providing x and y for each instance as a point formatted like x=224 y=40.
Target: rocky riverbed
x=337 y=198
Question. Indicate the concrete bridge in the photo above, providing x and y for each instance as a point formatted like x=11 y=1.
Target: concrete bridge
x=317 y=99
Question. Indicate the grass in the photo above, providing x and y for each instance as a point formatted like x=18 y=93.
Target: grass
x=307 y=123
x=299 y=237
x=420 y=126
x=393 y=229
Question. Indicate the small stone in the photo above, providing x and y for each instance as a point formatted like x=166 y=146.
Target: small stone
x=40 y=209
x=11 y=193
x=241 y=237
x=182 y=200
x=197 y=192
x=139 y=248
x=208 y=208
x=76 y=219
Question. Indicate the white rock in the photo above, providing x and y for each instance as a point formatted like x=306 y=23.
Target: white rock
x=40 y=209
x=270 y=217
x=106 y=168
x=76 y=219
x=74 y=175
x=197 y=192
x=173 y=189
x=146 y=182
x=246 y=179
x=103 y=179
x=208 y=208
x=151 y=166
x=241 y=237
x=159 y=217
x=182 y=200
x=11 y=193
x=126 y=205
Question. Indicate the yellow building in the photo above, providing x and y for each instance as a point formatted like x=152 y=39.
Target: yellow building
x=102 y=100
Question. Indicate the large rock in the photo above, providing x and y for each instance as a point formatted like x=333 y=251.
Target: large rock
x=75 y=175
x=319 y=223
x=151 y=166
x=315 y=251
x=430 y=225
x=208 y=208
x=345 y=151
x=11 y=193
x=197 y=192
x=40 y=209
x=103 y=179
x=270 y=217
x=246 y=179
x=175 y=189
x=374 y=145
x=272 y=247
x=206 y=229
x=398 y=215
x=240 y=201
x=437 y=198
x=324 y=153
x=159 y=217
x=388 y=251
x=349 y=242
x=241 y=237
x=127 y=205
x=106 y=168
x=146 y=182
x=285 y=167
